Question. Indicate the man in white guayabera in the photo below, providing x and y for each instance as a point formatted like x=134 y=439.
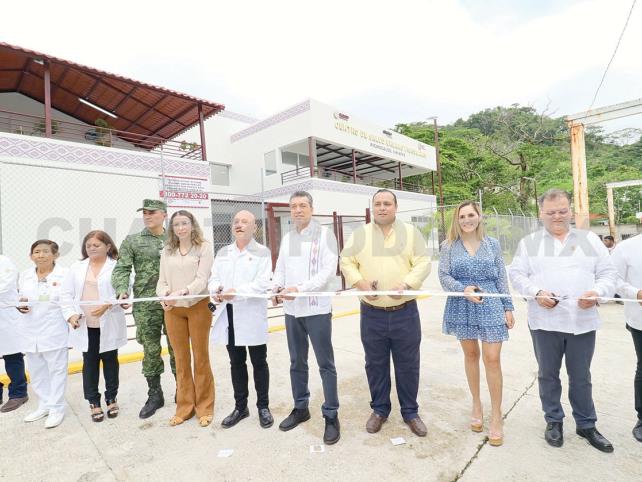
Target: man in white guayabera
x=567 y=270
x=308 y=262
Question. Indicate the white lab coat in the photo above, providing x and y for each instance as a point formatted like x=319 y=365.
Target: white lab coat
x=113 y=327
x=44 y=327
x=246 y=271
x=11 y=333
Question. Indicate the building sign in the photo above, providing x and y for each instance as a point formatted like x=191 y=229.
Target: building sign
x=383 y=143
x=344 y=129
x=184 y=192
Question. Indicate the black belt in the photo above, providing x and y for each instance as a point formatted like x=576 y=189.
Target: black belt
x=389 y=308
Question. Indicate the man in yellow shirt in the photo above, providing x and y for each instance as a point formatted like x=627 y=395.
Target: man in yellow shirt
x=389 y=254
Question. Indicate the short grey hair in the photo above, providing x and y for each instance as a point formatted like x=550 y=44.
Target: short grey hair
x=553 y=193
x=304 y=194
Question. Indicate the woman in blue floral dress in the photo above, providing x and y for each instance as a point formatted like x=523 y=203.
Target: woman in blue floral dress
x=471 y=262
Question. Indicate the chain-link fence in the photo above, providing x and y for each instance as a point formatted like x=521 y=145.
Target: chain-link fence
x=225 y=206
x=507 y=228
x=64 y=203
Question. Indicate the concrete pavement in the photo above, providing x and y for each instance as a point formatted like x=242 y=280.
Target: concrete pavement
x=128 y=448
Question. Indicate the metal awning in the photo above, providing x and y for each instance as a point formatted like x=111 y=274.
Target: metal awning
x=138 y=107
x=339 y=158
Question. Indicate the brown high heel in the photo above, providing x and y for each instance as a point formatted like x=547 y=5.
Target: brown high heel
x=476 y=424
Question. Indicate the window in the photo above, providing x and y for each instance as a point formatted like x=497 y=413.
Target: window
x=220 y=174
x=293 y=160
x=290 y=158
x=270 y=163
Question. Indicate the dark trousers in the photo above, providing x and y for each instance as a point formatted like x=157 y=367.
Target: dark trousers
x=577 y=350
x=398 y=333
x=318 y=328
x=91 y=369
x=238 y=358
x=637 y=383
x=14 y=365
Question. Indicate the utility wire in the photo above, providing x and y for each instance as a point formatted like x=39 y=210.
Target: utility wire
x=613 y=56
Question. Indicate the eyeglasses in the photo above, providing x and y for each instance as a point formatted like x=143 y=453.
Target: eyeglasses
x=559 y=212
x=181 y=223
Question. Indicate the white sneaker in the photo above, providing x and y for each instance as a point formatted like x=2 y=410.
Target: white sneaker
x=37 y=415
x=54 y=419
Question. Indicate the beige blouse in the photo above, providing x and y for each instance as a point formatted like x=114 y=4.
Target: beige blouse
x=190 y=272
x=90 y=293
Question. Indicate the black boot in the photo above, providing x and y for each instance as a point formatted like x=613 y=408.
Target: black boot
x=332 y=432
x=155 y=398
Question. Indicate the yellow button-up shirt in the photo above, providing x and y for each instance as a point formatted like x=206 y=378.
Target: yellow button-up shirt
x=401 y=256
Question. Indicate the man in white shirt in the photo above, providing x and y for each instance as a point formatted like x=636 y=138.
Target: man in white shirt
x=244 y=266
x=307 y=262
x=567 y=270
x=627 y=257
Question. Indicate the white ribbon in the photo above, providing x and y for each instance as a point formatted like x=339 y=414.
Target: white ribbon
x=346 y=293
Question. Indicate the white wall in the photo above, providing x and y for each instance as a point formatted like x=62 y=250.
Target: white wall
x=218 y=130
x=248 y=152
x=64 y=199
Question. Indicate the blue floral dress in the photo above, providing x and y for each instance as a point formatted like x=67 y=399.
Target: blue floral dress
x=458 y=269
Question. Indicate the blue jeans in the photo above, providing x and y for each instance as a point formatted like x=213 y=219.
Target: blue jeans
x=15 y=366
x=396 y=333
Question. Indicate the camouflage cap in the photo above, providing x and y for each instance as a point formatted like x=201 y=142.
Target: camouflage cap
x=153 y=205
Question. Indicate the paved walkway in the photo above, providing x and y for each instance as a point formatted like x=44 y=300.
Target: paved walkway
x=128 y=448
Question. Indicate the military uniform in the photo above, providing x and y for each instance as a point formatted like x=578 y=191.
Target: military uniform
x=141 y=251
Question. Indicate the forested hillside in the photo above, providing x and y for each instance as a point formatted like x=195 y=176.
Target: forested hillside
x=506 y=151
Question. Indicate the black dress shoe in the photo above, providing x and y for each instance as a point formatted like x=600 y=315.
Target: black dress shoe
x=265 y=418
x=596 y=439
x=332 y=432
x=554 y=434
x=637 y=431
x=235 y=417
x=297 y=416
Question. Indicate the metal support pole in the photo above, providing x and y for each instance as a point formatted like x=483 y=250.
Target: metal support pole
x=164 y=196
x=611 y=209
x=496 y=223
x=580 y=183
x=400 y=176
x=312 y=153
x=354 y=166
x=263 y=225
x=437 y=161
x=47 y=87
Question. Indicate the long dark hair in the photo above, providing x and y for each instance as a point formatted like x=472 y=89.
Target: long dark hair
x=103 y=237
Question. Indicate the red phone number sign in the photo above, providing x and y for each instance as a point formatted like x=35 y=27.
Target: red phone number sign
x=184 y=195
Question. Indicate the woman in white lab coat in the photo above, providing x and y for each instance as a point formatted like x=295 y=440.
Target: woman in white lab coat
x=11 y=337
x=98 y=330
x=46 y=332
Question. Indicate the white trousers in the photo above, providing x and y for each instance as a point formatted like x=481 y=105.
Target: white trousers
x=48 y=371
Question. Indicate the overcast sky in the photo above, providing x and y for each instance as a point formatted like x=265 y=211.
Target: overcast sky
x=388 y=62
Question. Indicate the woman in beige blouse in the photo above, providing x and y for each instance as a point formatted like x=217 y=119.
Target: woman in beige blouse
x=185 y=265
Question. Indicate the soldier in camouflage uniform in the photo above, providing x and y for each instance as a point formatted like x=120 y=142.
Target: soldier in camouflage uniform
x=142 y=252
